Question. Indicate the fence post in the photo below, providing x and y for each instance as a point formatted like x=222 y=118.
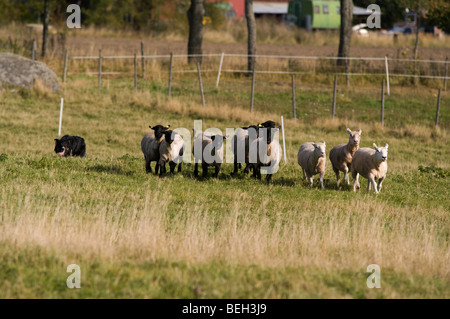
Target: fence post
x=170 y=74
x=252 y=99
x=284 y=140
x=135 y=72
x=294 y=111
x=220 y=70
x=436 y=122
x=346 y=72
x=201 y=84
x=333 y=109
x=33 y=50
x=382 y=102
x=446 y=74
x=387 y=76
x=100 y=68
x=66 y=58
x=143 y=59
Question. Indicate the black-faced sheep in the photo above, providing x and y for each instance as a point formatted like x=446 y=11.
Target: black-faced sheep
x=311 y=157
x=371 y=164
x=171 y=151
x=150 y=146
x=211 y=152
x=265 y=152
x=341 y=155
x=240 y=143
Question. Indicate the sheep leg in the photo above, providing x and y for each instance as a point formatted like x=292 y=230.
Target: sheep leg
x=304 y=174
x=310 y=180
x=380 y=183
x=157 y=168
x=321 y=181
x=196 y=170
x=172 y=167
x=355 y=181
x=269 y=178
x=338 y=177
x=204 y=170
x=179 y=167
x=162 y=168
x=235 y=166
x=346 y=177
x=216 y=171
x=148 y=168
x=374 y=184
x=247 y=168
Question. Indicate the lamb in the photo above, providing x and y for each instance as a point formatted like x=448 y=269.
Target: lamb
x=240 y=143
x=371 y=164
x=341 y=155
x=311 y=157
x=212 y=153
x=171 y=151
x=150 y=146
x=270 y=157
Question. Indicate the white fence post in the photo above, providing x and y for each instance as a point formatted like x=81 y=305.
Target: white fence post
x=60 y=117
x=220 y=70
x=387 y=76
x=284 y=143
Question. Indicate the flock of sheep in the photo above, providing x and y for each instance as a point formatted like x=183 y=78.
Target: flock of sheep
x=165 y=146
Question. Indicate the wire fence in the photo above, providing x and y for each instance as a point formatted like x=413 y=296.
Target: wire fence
x=379 y=68
x=284 y=64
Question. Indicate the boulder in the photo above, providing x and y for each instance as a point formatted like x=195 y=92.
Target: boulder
x=16 y=70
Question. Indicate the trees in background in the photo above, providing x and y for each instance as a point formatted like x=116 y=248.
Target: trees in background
x=195 y=16
x=251 y=32
x=345 y=34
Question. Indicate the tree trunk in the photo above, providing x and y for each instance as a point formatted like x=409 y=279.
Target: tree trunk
x=195 y=17
x=45 y=30
x=345 y=31
x=251 y=28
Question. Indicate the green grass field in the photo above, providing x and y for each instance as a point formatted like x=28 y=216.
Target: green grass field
x=136 y=235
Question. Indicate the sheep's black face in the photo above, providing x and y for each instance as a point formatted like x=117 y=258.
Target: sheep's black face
x=268 y=124
x=159 y=130
x=217 y=140
x=62 y=147
x=169 y=136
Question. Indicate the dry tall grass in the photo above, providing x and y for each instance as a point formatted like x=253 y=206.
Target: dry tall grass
x=324 y=235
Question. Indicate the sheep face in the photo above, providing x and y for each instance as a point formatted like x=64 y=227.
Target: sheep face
x=268 y=124
x=354 y=137
x=381 y=152
x=159 y=130
x=169 y=136
x=319 y=149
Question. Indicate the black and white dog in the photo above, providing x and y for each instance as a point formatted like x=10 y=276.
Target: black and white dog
x=70 y=146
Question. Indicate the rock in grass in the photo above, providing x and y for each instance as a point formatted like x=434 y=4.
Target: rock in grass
x=18 y=71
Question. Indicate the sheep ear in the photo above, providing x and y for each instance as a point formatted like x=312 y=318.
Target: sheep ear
x=349 y=131
x=224 y=137
x=167 y=127
x=387 y=145
x=56 y=140
x=324 y=143
x=360 y=131
x=259 y=125
x=375 y=146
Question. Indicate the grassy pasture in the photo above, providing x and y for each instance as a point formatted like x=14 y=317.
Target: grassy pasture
x=138 y=235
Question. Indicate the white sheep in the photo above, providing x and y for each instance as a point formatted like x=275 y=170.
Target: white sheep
x=341 y=155
x=311 y=157
x=211 y=152
x=371 y=164
x=269 y=157
x=150 y=146
x=171 y=151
